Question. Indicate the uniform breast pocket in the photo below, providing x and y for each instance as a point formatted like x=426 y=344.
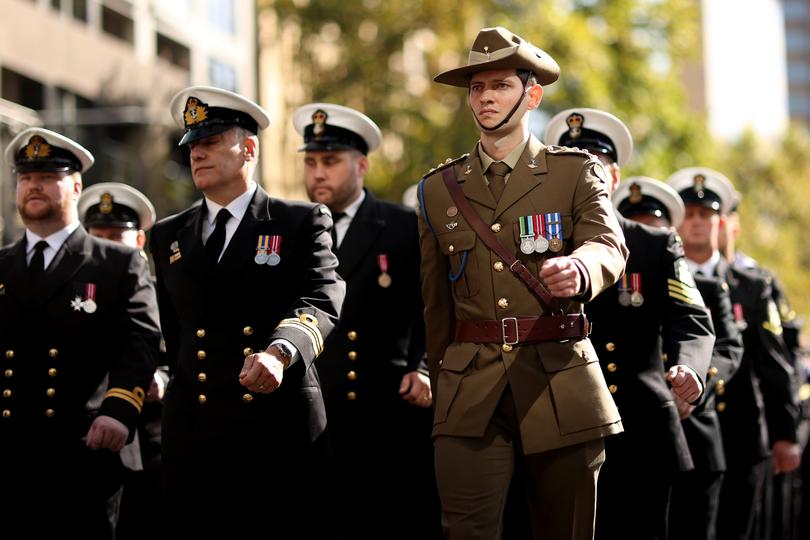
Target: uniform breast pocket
x=458 y=247
x=544 y=235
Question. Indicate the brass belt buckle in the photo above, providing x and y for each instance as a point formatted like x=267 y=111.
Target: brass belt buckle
x=504 y=326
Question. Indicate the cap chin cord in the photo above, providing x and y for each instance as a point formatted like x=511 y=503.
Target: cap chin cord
x=508 y=116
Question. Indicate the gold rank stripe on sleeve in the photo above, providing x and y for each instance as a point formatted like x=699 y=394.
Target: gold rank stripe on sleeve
x=681 y=291
x=307 y=325
x=134 y=397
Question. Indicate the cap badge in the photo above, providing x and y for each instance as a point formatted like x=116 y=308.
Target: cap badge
x=575 y=121
x=106 y=204
x=700 y=183
x=196 y=112
x=486 y=51
x=319 y=120
x=37 y=148
x=635 y=193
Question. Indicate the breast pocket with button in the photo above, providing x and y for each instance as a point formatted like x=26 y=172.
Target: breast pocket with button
x=458 y=247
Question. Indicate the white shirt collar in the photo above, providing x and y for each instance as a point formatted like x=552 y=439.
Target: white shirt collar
x=708 y=267
x=351 y=210
x=236 y=207
x=54 y=240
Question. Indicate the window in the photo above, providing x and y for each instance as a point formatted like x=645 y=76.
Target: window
x=222 y=75
x=22 y=90
x=173 y=52
x=117 y=25
x=80 y=10
x=221 y=15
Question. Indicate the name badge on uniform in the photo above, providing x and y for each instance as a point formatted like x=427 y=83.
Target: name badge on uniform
x=88 y=303
x=262 y=249
x=554 y=232
x=175 y=256
x=274 y=257
x=384 y=279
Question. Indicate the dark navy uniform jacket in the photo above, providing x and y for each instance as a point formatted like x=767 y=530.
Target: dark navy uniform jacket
x=757 y=406
x=702 y=427
x=633 y=342
x=214 y=316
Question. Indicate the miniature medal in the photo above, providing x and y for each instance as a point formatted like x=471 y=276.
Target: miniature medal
x=274 y=257
x=540 y=241
x=526 y=235
x=554 y=228
x=89 y=303
x=636 y=299
x=624 y=292
x=262 y=245
x=384 y=279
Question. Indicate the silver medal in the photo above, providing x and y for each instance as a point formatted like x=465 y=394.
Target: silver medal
x=624 y=298
x=261 y=257
x=527 y=246
x=273 y=259
x=540 y=244
x=636 y=299
x=89 y=306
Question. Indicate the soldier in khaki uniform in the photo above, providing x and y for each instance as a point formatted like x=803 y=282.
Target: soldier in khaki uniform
x=513 y=391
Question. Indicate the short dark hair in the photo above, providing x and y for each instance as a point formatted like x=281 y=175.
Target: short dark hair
x=527 y=76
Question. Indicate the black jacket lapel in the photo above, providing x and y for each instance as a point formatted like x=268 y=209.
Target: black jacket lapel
x=364 y=229
x=242 y=247
x=64 y=265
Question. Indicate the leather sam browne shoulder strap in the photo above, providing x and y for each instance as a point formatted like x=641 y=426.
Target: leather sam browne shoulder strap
x=550 y=303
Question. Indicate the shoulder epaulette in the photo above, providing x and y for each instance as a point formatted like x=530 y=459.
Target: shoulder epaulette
x=570 y=150
x=447 y=163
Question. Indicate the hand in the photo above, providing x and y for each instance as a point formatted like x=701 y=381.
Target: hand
x=684 y=407
x=106 y=433
x=561 y=276
x=415 y=389
x=262 y=372
x=157 y=389
x=685 y=383
x=786 y=456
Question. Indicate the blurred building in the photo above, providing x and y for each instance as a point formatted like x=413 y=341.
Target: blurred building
x=797 y=34
x=103 y=72
x=739 y=79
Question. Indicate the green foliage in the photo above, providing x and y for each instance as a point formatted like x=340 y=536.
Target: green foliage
x=624 y=56
x=380 y=57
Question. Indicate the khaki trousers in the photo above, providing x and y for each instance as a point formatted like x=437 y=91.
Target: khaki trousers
x=474 y=474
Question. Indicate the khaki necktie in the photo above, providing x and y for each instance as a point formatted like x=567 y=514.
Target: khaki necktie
x=497 y=178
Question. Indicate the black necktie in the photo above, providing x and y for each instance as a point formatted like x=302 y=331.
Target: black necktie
x=336 y=216
x=37 y=265
x=213 y=247
x=497 y=178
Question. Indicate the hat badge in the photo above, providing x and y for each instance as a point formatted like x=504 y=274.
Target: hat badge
x=319 y=120
x=37 y=148
x=574 y=122
x=486 y=51
x=105 y=206
x=635 y=193
x=196 y=112
x=700 y=183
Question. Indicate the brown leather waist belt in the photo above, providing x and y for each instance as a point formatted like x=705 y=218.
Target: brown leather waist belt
x=518 y=330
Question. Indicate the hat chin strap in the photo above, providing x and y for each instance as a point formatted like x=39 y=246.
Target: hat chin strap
x=508 y=116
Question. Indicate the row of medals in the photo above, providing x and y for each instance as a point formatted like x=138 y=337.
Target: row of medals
x=540 y=245
x=626 y=298
x=270 y=259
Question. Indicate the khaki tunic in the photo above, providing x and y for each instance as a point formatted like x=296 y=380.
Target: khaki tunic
x=558 y=388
